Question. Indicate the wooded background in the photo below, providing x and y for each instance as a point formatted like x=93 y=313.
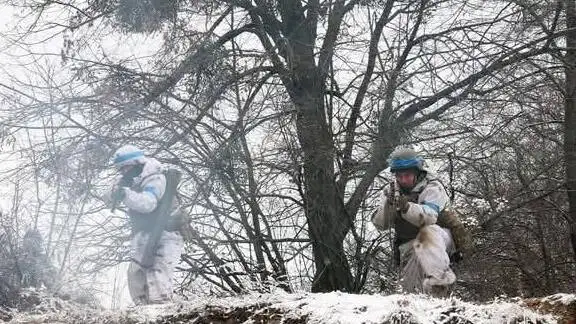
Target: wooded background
x=281 y=115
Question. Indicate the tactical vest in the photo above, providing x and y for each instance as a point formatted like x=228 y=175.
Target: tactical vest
x=447 y=218
x=406 y=231
x=144 y=222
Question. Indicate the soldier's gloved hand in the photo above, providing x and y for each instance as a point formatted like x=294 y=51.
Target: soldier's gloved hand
x=119 y=194
x=126 y=182
x=403 y=204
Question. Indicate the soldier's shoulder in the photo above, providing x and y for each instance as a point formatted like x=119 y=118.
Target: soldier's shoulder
x=435 y=181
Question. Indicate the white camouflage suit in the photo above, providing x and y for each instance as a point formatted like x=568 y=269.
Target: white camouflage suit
x=424 y=258
x=154 y=284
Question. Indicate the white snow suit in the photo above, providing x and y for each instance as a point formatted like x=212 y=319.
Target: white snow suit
x=153 y=284
x=424 y=247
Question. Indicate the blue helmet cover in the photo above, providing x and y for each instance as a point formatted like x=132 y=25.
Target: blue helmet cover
x=126 y=157
x=403 y=164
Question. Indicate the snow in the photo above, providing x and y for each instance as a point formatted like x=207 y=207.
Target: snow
x=343 y=308
x=334 y=307
x=565 y=299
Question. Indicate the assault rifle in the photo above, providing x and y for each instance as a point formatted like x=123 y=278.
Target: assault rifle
x=393 y=196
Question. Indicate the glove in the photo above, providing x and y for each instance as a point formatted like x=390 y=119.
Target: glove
x=403 y=204
x=126 y=182
x=119 y=194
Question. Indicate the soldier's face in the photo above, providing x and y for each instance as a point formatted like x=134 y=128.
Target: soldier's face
x=406 y=179
x=131 y=171
x=125 y=169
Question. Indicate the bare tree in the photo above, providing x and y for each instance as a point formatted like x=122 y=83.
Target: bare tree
x=209 y=93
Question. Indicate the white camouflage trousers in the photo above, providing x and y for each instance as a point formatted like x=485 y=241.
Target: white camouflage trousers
x=154 y=284
x=425 y=261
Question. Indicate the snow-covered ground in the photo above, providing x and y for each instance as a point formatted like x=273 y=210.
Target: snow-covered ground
x=332 y=307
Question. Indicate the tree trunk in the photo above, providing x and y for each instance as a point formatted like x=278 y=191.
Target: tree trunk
x=328 y=222
x=570 y=117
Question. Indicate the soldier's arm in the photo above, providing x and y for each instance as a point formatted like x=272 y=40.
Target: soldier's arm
x=146 y=201
x=430 y=202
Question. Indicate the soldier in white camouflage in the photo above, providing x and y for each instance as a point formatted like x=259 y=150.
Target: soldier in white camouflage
x=416 y=205
x=141 y=187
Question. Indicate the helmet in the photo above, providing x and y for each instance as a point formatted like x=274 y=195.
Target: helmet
x=404 y=158
x=128 y=155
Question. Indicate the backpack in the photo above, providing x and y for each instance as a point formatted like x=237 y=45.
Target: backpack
x=449 y=219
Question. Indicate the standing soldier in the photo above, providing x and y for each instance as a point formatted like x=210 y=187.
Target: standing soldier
x=148 y=192
x=416 y=204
